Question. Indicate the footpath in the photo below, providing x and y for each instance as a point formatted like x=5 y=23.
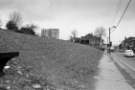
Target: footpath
x=109 y=77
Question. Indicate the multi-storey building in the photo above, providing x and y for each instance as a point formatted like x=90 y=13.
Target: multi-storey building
x=50 y=33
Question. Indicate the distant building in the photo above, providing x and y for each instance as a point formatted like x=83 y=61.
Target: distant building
x=92 y=40
x=128 y=43
x=50 y=33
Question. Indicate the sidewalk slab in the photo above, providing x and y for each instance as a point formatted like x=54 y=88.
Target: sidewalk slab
x=109 y=77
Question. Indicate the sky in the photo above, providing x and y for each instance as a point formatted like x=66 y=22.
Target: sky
x=68 y=15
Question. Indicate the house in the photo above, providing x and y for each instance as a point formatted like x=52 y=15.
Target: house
x=128 y=43
x=92 y=40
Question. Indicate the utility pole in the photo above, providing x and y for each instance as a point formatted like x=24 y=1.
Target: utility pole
x=109 y=34
x=110 y=43
x=109 y=39
x=118 y=23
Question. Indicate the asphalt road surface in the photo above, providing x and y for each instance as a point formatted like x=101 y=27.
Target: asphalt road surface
x=127 y=63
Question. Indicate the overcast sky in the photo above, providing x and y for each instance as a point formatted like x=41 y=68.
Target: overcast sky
x=67 y=15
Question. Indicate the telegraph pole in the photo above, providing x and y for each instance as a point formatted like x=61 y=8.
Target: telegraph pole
x=110 y=43
x=109 y=39
x=109 y=34
x=118 y=23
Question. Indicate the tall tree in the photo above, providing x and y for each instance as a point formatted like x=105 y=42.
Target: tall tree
x=16 y=18
x=14 y=22
x=73 y=35
x=0 y=24
x=100 y=32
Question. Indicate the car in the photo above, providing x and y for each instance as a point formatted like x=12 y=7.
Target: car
x=112 y=49
x=129 y=53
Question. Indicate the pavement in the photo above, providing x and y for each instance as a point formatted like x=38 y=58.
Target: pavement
x=109 y=77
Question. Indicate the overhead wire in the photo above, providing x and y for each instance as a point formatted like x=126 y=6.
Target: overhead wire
x=124 y=12
x=122 y=15
x=117 y=10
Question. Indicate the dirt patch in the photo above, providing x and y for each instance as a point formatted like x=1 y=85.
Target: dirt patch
x=22 y=77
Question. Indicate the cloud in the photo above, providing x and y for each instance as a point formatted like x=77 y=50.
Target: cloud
x=67 y=10
x=31 y=9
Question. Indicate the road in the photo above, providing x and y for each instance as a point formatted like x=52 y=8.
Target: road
x=127 y=63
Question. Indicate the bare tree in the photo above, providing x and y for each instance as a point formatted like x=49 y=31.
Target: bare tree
x=14 y=22
x=0 y=24
x=100 y=32
x=16 y=18
x=74 y=34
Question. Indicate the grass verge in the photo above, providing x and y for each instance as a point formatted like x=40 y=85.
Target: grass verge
x=62 y=64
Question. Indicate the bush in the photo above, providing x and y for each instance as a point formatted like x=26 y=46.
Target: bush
x=11 y=26
x=27 y=30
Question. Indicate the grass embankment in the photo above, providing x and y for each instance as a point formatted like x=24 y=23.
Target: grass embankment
x=63 y=64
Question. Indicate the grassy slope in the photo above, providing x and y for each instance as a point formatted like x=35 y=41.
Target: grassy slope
x=60 y=61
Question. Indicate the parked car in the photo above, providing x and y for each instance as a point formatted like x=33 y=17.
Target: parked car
x=129 y=53
x=112 y=49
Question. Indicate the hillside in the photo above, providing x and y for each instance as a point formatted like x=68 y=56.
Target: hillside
x=61 y=63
